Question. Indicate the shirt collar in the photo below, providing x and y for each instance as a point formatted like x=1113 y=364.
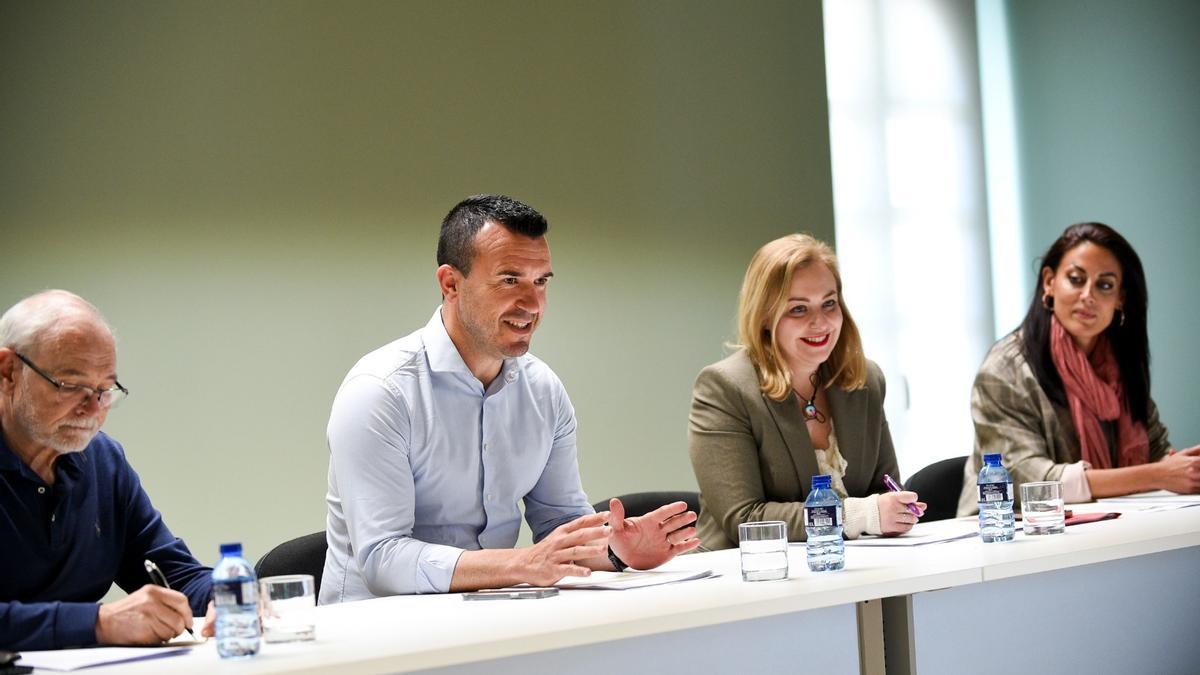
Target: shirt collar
x=444 y=357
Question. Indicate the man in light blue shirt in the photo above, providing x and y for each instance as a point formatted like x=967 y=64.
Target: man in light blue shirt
x=434 y=438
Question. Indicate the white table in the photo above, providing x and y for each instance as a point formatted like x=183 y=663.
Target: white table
x=707 y=625
x=1118 y=596
x=924 y=601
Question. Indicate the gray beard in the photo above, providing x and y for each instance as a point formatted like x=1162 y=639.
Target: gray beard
x=26 y=419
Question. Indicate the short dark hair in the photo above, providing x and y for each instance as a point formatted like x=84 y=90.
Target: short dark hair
x=456 y=242
x=1129 y=341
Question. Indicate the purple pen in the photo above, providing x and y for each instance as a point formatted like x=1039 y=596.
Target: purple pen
x=895 y=487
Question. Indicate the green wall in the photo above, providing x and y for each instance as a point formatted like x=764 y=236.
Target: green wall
x=1108 y=116
x=251 y=193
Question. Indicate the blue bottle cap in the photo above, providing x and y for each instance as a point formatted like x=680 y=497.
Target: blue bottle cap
x=821 y=481
x=234 y=548
x=992 y=459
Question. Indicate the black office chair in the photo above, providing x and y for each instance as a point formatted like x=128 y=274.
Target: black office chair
x=302 y=555
x=939 y=485
x=641 y=503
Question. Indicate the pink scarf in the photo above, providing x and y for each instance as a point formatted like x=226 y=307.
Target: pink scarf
x=1094 y=393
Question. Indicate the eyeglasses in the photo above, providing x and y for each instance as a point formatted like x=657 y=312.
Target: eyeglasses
x=105 y=398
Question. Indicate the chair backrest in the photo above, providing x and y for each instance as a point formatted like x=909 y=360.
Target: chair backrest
x=939 y=485
x=641 y=503
x=302 y=555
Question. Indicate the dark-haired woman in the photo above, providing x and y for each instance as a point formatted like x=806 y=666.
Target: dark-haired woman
x=1067 y=395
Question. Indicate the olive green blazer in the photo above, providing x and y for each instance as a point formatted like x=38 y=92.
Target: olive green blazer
x=753 y=457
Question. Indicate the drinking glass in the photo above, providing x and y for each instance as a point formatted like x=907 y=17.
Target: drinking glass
x=1042 y=507
x=289 y=608
x=764 y=550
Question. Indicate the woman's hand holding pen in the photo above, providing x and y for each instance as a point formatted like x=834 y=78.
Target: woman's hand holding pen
x=895 y=516
x=899 y=509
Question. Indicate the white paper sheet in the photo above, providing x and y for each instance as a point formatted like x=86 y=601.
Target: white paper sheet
x=620 y=581
x=936 y=532
x=1155 y=497
x=75 y=659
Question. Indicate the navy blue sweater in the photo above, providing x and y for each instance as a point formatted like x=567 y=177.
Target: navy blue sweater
x=63 y=546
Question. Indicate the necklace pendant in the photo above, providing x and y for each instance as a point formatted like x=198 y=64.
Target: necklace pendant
x=810 y=410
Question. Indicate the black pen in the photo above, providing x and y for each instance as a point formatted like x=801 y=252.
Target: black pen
x=157 y=577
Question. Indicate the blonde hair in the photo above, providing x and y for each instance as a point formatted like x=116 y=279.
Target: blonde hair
x=762 y=303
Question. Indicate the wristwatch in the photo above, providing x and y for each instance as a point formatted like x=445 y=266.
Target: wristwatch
x=617 y=563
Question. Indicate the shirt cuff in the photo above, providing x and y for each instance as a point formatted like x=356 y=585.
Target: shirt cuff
x=1075 y=485
x=75 y=624
x=862 y=516
x=435 y=568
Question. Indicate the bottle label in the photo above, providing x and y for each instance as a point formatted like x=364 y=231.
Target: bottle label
x=995 y=492
x=234 y=593
x=823 y=516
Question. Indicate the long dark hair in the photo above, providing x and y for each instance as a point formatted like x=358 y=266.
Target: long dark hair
x=1129 y=342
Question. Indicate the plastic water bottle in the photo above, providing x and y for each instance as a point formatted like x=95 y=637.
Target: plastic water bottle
x=823 y=521
x=996 y=521
x=235 y=595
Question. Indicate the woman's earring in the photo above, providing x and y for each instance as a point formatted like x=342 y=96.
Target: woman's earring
x=1048 y=301
x=1122 y=319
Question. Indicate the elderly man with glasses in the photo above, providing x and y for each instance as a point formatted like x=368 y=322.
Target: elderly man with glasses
x=74 y=518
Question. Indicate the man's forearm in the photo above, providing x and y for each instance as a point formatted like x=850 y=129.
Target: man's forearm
x=497 y=568
x=486 y=568
x=47 y=625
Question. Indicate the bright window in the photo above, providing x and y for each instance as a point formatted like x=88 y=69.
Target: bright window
x=909 y=199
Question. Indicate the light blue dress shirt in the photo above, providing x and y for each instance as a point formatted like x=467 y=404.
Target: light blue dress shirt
x=424 y=464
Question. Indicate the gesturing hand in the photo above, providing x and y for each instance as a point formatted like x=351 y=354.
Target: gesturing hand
x=645 y=542
x=149 y=616
x=553 y=558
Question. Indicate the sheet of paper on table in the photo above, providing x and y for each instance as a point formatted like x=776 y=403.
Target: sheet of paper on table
x=936 y=532
x=620 y=581
x=76 y=659
x=1156 y=498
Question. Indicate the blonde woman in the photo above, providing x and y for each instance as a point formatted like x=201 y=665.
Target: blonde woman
x=797 y=398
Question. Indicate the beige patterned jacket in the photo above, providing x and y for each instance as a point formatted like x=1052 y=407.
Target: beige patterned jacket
x=1015 y=418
